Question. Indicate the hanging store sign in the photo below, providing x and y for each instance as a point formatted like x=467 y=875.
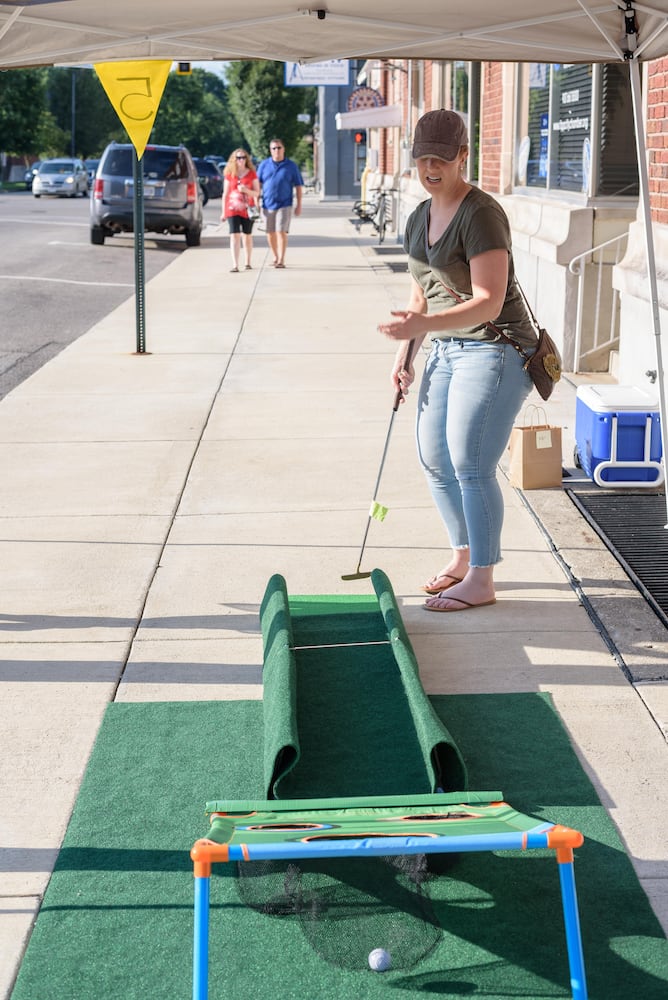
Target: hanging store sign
x=333 y=73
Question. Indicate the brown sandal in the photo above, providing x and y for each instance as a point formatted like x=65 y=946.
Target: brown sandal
x=465 y=606
x=436 y=587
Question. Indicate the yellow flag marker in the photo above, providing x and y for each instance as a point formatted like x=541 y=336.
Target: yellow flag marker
x=378 y=511
x=135 y=89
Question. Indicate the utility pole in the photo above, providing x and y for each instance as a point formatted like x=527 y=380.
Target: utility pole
x=73 y=146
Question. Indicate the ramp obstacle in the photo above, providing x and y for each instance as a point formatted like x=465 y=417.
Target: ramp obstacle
x=367 y=643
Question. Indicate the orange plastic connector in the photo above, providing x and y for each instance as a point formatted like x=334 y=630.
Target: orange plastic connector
x=206 y=852
x=563 y=840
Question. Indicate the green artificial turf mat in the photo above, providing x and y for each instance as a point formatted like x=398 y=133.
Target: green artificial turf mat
x=116 y=922
x=387 y=739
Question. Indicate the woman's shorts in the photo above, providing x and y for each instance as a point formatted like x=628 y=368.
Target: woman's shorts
x=240 y=224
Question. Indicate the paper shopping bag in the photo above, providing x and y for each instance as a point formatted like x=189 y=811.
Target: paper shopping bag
x=535 y=453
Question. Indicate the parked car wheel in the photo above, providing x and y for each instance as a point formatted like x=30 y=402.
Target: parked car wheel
x=97 y=236
x=193 y=237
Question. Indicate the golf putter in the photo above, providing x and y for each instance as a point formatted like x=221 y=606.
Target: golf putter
x=357 y=575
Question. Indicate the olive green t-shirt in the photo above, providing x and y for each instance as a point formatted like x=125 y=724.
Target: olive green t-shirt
x=479 y=224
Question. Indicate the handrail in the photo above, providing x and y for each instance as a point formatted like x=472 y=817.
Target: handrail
x=576 y=266
x=581 y=256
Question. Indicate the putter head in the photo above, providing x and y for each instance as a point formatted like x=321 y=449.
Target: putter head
x=356 y=576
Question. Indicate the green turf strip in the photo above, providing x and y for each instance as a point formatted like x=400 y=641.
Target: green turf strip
x=116 y=922
x=349 y=716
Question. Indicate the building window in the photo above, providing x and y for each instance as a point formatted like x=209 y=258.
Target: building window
x=577 y=124
x=459 y=89
x=416 y=70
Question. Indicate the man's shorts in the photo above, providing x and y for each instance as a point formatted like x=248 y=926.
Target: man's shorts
x=240 y=224
x=278 y=221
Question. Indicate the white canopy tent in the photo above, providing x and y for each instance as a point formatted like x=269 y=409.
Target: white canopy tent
x=45 y=32
x=36 y=32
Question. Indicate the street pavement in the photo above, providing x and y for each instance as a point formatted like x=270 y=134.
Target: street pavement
x=147 y=498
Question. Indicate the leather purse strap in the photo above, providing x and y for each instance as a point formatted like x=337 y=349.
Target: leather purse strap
x=494 y=328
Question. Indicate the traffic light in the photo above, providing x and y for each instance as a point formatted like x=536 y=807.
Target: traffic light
x=360 y=138
x=183 y=69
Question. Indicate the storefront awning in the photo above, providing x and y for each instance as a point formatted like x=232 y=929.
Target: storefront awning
x=385 y=117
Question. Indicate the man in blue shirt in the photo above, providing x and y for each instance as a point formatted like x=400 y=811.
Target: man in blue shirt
x=279 y=177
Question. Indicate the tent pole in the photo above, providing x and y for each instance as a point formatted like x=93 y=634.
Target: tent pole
x=634 y=69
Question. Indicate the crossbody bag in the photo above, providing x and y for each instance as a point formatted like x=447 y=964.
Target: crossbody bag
x=544 y=365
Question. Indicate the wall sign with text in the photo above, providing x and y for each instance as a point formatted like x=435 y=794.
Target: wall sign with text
x=333 y=73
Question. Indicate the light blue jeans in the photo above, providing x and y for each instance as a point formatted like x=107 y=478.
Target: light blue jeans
x=470 y=394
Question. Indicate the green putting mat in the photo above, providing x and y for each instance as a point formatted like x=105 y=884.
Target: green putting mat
x=345 y=713
x=116 y=922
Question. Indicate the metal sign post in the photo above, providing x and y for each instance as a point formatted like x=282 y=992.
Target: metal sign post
x=135 y=89
x=140 y=275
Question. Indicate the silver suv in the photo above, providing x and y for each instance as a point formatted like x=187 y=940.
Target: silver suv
x=172 y=195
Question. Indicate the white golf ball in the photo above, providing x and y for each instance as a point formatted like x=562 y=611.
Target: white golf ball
x=380 y=960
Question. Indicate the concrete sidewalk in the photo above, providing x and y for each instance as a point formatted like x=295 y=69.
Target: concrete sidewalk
x=147 y=499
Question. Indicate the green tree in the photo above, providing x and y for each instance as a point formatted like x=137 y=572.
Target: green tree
x=22 y=111
x=194 y=111
x=266 y=109
x=40 y=107
x=77 y=99
x=50 y=140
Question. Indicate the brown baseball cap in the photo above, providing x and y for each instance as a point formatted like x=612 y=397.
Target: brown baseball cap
x=439 y=133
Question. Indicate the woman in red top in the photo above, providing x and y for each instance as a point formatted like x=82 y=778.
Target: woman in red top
x=240 y=192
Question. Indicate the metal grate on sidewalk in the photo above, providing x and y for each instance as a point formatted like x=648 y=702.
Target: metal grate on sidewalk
x=632 y=525
x=396 y=266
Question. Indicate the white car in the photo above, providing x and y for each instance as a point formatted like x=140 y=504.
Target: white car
x=66 y=178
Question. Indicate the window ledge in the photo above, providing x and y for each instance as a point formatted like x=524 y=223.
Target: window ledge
x=552 y=229
x=630 y=275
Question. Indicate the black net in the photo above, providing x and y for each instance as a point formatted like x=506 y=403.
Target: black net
x=349 y=908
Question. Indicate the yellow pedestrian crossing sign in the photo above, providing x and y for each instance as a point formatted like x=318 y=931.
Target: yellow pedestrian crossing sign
x=135 y=90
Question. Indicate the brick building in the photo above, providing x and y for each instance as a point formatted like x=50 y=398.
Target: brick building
x=556 y=145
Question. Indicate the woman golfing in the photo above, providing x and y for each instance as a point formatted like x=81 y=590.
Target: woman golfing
x=462 y=277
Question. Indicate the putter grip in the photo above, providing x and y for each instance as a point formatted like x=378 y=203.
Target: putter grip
x=398 y=396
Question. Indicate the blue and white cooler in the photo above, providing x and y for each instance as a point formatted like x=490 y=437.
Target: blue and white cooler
x=618 y=435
